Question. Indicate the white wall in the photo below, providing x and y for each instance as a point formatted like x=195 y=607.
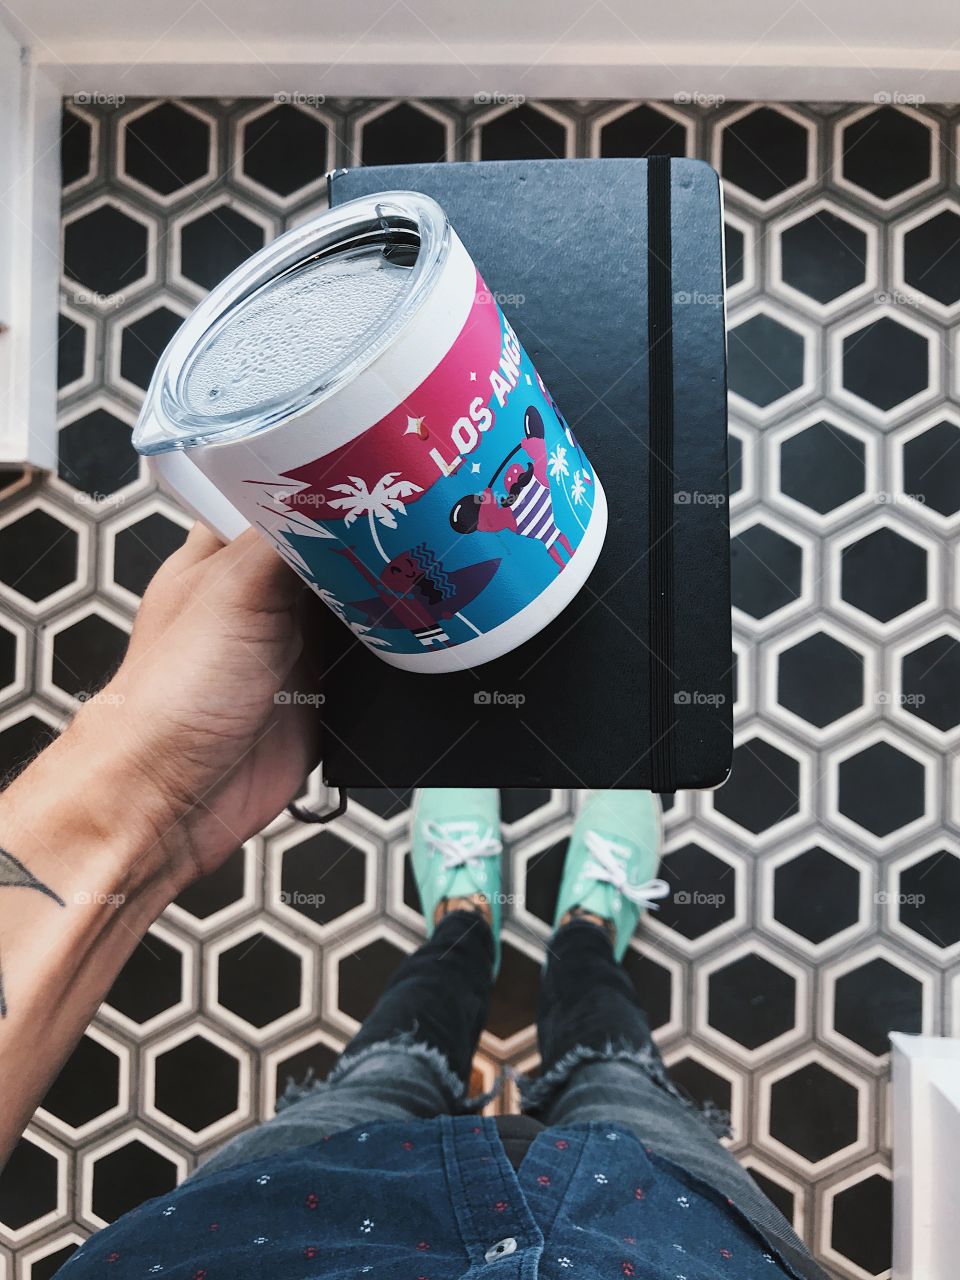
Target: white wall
x=847 y=49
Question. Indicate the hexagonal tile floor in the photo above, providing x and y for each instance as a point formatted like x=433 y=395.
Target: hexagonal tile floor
x=810 y=912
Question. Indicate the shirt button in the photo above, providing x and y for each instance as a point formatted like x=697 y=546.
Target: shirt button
x=501 y=1249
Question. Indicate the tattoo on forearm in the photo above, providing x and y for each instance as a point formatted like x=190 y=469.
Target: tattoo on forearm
x=14 y=875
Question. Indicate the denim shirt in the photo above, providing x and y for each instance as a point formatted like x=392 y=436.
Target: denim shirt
x=435 y=1200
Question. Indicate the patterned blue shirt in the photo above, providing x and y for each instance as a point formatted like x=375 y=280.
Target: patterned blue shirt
x=438 y=1200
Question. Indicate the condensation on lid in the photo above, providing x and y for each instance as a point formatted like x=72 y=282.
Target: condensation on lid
x=290 y=335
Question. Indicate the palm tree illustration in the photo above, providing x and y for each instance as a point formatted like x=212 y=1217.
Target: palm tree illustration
x=381 y=504
x=559 y=470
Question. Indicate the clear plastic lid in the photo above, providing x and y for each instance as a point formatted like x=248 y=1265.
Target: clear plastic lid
x=296 y=321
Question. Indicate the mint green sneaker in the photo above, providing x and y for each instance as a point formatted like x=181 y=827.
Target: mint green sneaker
x=455 y=849
x=611 y=861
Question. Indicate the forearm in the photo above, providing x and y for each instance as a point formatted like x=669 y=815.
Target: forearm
x=82 y=877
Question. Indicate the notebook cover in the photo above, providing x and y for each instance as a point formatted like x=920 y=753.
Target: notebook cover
x=611 y=272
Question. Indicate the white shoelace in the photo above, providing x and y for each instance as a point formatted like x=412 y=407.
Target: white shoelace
x=461 y=843
x=607 y=864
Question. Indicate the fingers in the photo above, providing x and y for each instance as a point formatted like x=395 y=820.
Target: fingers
x=251 y=571
x=201 y=542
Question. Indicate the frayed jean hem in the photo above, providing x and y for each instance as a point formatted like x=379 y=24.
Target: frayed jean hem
x=405 y=1042
x=536 y=1094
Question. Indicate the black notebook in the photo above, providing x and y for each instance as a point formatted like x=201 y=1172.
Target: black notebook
x=611 y=272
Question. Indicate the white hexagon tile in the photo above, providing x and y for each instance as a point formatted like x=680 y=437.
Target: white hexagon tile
x=813 y=894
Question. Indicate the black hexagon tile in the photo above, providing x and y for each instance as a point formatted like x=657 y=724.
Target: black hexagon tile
x=881 y=788
x=143 y=341
x=217 y=892
x=362 y=974
x=523 y=133
x=764 y=153
x=140 y=548
x=404 y=134
x=765 y=359
x=873 y=999
x=85 y=653
x=29 y=1186
x=766 y=570
x=820 y=679
x=284 y=149
x=95 y=453
x=76 y=146
x=816 y=895
x=151 y=983
x=215 y=243
x=196 y=1083
x=71 y=351
x=885 y=363
x=763 y=789
x=39 y=554
x=259 y=979
x=106 y=252
x=931 y=467
x=814 y=1112
x=644 y=131
x=127 y=1175
x=861 y=1224
x=884 y=574
x=931 y=257
x=926 y=898
x=166 y=148
x=322 y=878
x=706 y=1086
x=822 y=467
x=22 y=737
x=751 y=1001
x=930 y=682
x=88 y=1086
x=734 y=249
x=823 y=256
x=703 y=891
x=886 y=153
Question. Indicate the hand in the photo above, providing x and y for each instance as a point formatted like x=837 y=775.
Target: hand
x=210 y=755
x=183 y=756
